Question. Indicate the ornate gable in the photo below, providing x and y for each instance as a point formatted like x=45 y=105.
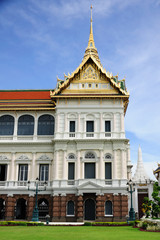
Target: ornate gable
x=91 y=80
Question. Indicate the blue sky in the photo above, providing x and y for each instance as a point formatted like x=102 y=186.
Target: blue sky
x=43 y=39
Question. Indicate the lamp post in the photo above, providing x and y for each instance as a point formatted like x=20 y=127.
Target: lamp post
x=35 y=216
x=131 y=190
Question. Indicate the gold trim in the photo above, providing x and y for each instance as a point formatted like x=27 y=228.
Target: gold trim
x=23 y=100
x=92 y=96
x=26 y=109
x=25 y=105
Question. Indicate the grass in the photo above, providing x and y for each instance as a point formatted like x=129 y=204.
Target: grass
x=74 y=233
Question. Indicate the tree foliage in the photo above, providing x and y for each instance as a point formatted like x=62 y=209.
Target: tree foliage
x=146 y=206
x=156 y=200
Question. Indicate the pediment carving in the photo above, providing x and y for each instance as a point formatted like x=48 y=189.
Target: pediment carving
x=89 y=185
x=23 y=157
x=3 y=158
x=89 y=73
x=44 y=157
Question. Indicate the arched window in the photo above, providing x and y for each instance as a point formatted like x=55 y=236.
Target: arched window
x=26 y=125
x=70 y=208
x=108 y=156
x=71 y=156
x=108 y=166
x=6 y=125
x=108 y=170
x=46 y=125
x=90 y=155
x=108 y=208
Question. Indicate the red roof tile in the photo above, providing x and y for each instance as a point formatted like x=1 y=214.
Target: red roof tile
x=15 y=95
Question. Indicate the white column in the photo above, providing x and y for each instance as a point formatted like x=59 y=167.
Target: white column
x=82 y=168
x=114 y=122
x=122 y=122
x=57 y=123
x=12 y=167
x=78 y=124
x=101 y=165
x=65 y=123
x=15 y=127
x=101 y=124
x=78 y=169
x=33 y=168
x=128 y=153
x=56 y=166
x=97 y=170
x=135 y=200
x=8 y=172
x=65 y=168
x=123 y=166
x=16 y=166
x=114 y=165
x=35 y=126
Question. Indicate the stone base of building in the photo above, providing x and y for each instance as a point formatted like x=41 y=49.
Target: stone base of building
x=66 y=208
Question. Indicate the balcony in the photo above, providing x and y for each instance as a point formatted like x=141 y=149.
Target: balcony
x=107 y=134
x=72 y=135
x=71 y=182
x=108 y=182
x=90 y=134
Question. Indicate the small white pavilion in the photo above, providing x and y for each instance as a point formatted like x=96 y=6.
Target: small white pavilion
x=143 y=185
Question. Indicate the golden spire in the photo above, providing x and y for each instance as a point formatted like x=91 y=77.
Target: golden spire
x=91 y=49
x=91 y=40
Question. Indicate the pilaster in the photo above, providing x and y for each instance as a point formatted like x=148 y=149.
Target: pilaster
x=80 y=208
x=114 y=165
x=56 y=177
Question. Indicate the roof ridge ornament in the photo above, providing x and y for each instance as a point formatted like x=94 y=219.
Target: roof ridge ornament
x=91 y=49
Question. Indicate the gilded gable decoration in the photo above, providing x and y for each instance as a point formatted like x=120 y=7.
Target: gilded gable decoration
x=90 y=73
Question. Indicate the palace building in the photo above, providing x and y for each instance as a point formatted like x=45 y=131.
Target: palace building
x=71 y=137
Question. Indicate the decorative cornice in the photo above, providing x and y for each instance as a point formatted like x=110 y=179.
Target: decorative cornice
x=44 y=159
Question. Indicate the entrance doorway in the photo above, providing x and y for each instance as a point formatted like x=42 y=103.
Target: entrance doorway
x=2 y=209
x=43 y=208
x=140 y=201
x=90 y=209
x=20 y=210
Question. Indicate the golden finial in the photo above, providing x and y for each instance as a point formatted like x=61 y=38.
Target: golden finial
x=91 y=49
x=91 y=40
x=91 y=12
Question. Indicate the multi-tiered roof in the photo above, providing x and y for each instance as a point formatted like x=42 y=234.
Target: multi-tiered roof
x=89 y=80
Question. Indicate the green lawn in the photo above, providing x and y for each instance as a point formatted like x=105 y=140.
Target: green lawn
x=75 y=233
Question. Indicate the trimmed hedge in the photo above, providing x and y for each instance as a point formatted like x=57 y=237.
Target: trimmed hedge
x=20 y=223
x=105 y=224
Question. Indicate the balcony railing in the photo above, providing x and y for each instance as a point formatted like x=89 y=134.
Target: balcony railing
x=108 y=182
x=71 y=182
x=22 y=183
x=71 y=134
x=90 y=134
x=2 y=183
x=107 y=134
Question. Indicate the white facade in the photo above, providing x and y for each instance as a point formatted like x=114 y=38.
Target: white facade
x=55 y=150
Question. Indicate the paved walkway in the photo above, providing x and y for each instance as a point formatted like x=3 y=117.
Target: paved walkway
x=65 y=223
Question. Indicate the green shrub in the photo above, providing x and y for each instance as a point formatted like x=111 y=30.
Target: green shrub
x=20 y=223
x=109 y=223
x=144 y=225
x=40 y=224
x=87 y=224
